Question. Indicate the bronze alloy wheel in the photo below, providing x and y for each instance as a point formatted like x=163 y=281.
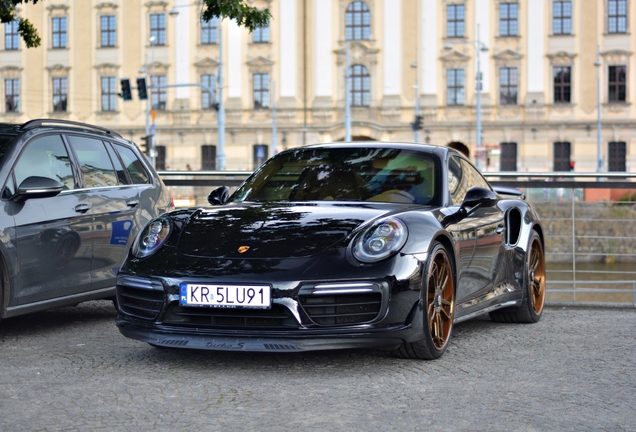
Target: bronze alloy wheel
x=536 y=275
x=440 y=299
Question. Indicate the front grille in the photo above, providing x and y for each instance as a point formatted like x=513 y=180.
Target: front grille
x=139 y=297
x=278 y=317
x=344 y=309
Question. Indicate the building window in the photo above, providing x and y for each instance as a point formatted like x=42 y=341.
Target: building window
x=59 y=32
x=60 y=94
x=508 y=82
x=109 y=93
x=455 y=87
x=562 y=84
x=562 y=156
x=617 y=152
x=562 y=18
x=508 y=16
x=11 y=36
x=108 y=30
x=208 y=157
x=158 y=93
x=261 y=90
x=158 y=28
x=207 y=101
x=12 y=95
x=260 y=35
x=359 y=86
x=617 y=16
x=160 y=159
x=508 y=160
x=455 y=20
x=357 y=21
x=209 y=32
x=617 y=83
x=259 y=155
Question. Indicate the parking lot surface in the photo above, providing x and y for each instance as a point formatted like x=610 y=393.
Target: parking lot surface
x=70 y=369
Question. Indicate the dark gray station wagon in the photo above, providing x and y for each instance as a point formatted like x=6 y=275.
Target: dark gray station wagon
x=73 y=198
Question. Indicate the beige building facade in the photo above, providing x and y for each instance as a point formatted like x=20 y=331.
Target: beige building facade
x=541 y=64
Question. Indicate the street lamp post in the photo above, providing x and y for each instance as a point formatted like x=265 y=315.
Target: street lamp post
x=599 y=158
x=416 y=131
x=150 y=140
x=220 y=115
x=479 y=47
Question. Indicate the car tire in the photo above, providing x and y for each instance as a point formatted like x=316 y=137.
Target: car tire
x=438 y=297
x=534 y=286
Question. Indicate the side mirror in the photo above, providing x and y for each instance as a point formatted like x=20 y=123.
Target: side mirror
x=37 y=187
x=219 y=195
x=479 y=196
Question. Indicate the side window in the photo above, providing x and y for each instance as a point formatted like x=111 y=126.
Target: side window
x=45 y=157
x=134 y=166
x=119 y=168
x=473 y=177
x=97 y=169
x=454 y=180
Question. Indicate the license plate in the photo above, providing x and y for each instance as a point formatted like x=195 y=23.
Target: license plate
x=226 y=296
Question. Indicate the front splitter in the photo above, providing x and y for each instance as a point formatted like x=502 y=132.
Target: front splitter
x=174 y=339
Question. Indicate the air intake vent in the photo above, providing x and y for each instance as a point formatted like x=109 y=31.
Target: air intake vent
x=278 y=317
x=280 y=347
x=344 y=309
x=139 y=297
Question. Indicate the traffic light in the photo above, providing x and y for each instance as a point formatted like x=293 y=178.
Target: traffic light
x=571 y=165
x=126 y=92
x=141 y=88
x=147 y=144
x=417 y=123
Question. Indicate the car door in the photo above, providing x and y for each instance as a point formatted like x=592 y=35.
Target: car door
x=53 y=235
x=113 y=202
x=479 y=234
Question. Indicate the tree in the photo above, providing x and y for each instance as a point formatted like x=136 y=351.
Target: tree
x=238 y=10
x=8 y=13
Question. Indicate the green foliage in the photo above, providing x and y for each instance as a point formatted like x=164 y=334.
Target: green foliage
x=238 y=10
x=8 y=13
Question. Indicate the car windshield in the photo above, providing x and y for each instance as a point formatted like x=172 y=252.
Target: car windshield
x=345 y=174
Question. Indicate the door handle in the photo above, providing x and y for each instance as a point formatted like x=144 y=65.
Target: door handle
x=132 y=203
x=82 y=208
x=500 y=229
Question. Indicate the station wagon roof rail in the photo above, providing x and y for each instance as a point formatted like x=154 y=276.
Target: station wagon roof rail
x=41 y=122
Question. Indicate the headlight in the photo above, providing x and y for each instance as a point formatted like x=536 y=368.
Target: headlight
x=381 y=240
x=151 y=237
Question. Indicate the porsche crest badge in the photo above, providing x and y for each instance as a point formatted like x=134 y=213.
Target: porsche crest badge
x=243 y=249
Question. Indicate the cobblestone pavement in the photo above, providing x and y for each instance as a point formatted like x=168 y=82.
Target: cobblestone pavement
x=70 y=369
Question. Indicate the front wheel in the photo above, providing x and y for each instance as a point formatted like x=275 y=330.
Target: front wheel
x=439 y=299
x=533 y=290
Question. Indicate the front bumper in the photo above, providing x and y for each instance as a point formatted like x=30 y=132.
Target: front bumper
x=172 y=337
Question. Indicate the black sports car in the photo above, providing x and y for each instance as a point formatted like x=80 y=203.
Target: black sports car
x=337 y=246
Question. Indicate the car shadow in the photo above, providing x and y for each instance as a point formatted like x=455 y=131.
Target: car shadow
x=54 y=320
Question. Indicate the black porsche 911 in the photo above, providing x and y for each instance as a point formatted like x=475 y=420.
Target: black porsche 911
x=382 y=245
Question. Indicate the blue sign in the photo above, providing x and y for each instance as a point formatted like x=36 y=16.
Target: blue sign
x=121 y=232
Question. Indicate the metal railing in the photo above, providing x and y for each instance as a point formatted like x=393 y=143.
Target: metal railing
x=590 y=243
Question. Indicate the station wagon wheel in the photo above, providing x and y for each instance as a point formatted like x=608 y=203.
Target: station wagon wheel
x=534 y=286
x=439 y=302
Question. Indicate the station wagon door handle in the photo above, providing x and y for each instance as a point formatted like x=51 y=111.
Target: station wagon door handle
x=132 y=203
x=82 y=208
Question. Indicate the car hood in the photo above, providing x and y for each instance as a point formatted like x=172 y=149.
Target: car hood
x=282 y=230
